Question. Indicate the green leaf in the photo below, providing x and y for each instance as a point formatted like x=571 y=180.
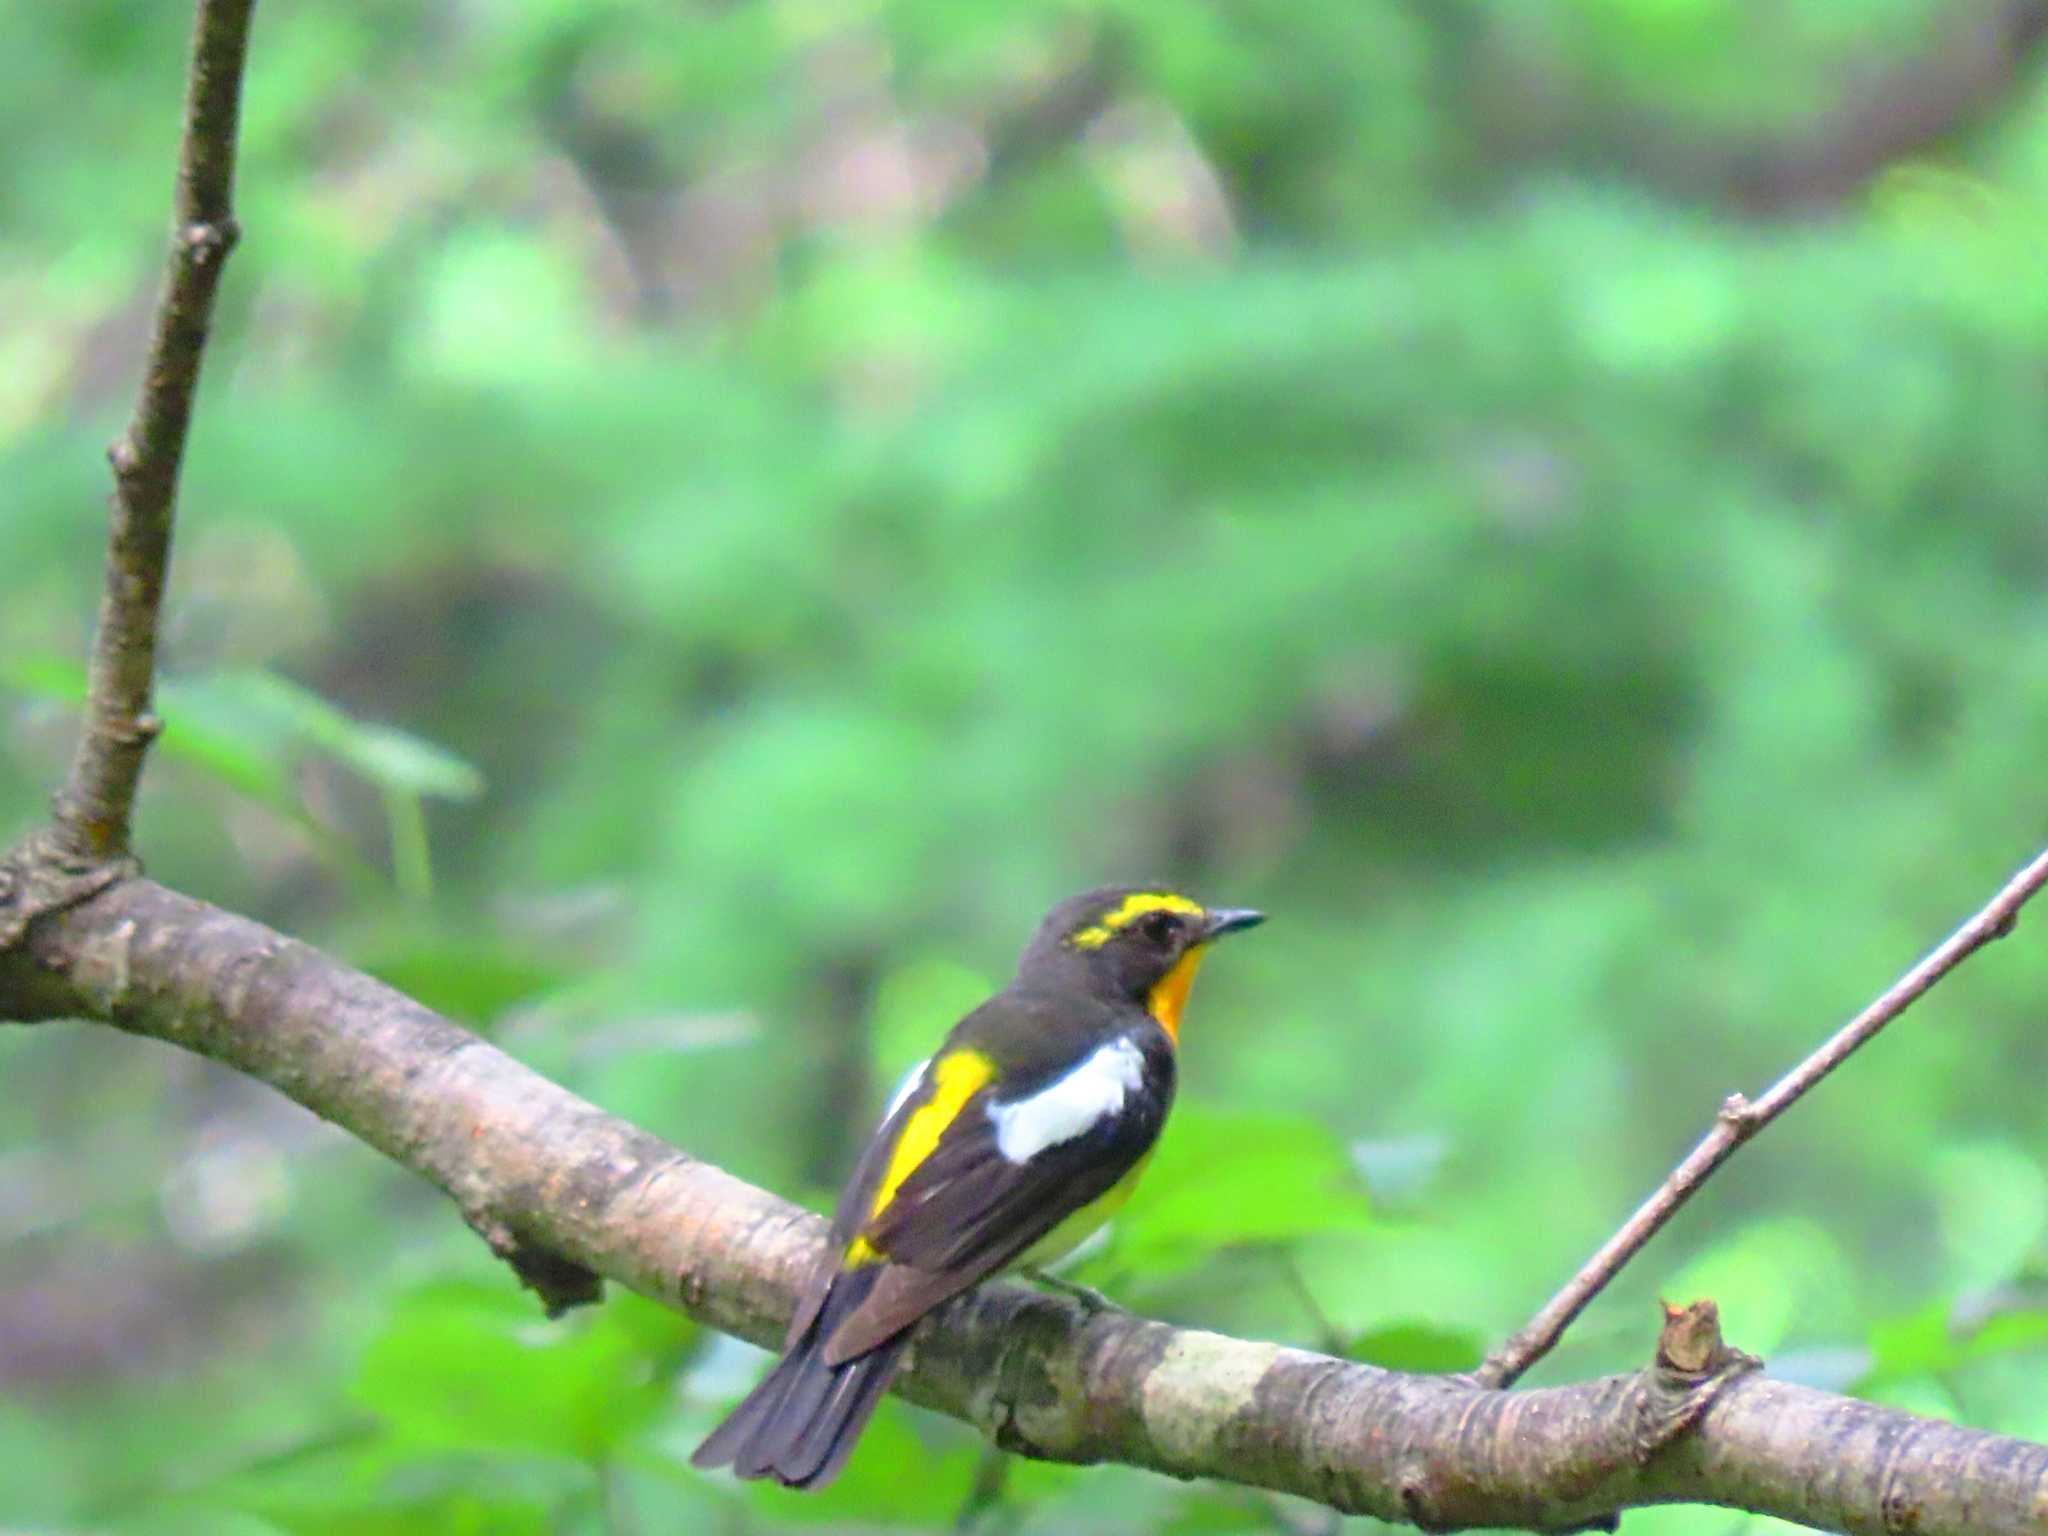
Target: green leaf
x=1766 y=1277
x=1222 y=1177
x=1216 y=1509
x=1914 y=1345
x=247 y=728
x=201 y=725
x=1426 y=1348
x=205 y=726
x=371 y=1482
x=2008 y=1333
x=397 y=760
x=191 y=1517
x=387 y=757
x=49 y=677
x=451 y=1513
x=874 y=1489
x=476 y=1366
x=472 y=978
x=1931 y=1341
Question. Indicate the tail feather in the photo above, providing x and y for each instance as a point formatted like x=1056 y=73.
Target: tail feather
x=854 y=1414
x=800 y=1424
x=737 y=1429
x=811 y=1413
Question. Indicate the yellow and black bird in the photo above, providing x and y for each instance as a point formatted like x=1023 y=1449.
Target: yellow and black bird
x=1024 y=1132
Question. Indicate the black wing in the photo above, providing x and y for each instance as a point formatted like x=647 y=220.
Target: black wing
x=967 y=1210
x=855 y=1198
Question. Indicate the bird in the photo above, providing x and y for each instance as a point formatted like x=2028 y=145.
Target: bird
x=1024 y=1132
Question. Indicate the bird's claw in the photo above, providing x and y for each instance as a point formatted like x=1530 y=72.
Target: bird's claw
x=1091 y=1300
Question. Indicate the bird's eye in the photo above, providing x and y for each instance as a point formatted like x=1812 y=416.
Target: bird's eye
x=1160 y=928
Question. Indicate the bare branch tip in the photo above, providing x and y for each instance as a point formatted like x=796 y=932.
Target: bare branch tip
x=1690 y=1339
x=1693 y=1363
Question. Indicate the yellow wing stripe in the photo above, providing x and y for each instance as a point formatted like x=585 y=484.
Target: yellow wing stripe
x=956 y=1078
x=1135 y=906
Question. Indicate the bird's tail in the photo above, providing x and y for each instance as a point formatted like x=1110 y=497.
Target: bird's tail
x=799 y=1425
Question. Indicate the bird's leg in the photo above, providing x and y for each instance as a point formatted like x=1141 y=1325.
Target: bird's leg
x=985 y=1498
x=1092 y=1301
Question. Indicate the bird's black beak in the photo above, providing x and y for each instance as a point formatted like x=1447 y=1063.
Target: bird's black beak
x=1224 y=920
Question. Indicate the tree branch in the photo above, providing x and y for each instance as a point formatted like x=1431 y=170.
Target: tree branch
x=91 y=830
x=1740 y=1119
x=1975 y=61
x=548 y=1174
x=566 y=1193
x=1979 y=59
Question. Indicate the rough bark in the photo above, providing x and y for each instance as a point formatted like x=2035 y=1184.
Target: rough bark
x=570 y=1193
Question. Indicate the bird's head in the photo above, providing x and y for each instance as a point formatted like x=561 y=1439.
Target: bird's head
x=1131 y=943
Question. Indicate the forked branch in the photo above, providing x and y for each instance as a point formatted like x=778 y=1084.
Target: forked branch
x=567 y=1193
x=1741 y=1119
x=1040 y=1375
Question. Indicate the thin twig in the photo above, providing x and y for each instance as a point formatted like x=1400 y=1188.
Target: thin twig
x=1741 y=1119
x=93 y=809
x=1050 y=1377
x=1330 y=1339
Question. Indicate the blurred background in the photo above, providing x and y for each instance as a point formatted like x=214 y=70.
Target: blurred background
x=706 y=519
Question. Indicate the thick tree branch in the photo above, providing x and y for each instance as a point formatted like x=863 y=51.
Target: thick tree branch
x=1741 y=1119
x=546 y=1173
x=1978 y=59
x=1975 y=61
x=93 y=809
x=566 y=1193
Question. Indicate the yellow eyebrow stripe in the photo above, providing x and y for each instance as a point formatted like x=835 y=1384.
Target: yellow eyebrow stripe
x=1135 y=906
x=956 y=1078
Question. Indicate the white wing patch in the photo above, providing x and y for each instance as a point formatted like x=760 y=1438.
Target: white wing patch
x=1068 y=1106
x=905 y=1089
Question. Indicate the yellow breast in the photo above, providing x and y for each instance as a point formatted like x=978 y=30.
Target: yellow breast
x=1083 y=1224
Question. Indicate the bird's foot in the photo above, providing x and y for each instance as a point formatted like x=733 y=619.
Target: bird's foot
x=1092 y=1301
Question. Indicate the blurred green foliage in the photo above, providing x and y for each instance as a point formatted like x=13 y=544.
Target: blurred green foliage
x=754 y=502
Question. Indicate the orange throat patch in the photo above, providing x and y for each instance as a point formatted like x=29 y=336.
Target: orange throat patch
x=1169 y=993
